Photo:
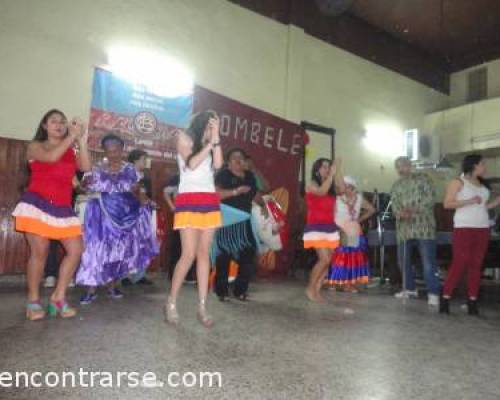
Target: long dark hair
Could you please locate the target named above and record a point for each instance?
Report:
(197, 128)
(41, 132)
(135, 155)
(469, 163)
(315, 176)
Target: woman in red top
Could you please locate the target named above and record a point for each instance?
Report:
(321, 233)
(44, 211)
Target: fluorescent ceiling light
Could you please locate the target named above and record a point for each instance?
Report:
(384, 140)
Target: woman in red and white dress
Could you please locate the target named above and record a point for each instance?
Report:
(321, 233)
(350, 265)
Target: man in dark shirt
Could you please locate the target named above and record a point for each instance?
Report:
(237, 187)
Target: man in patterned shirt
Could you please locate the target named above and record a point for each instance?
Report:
(413, 197)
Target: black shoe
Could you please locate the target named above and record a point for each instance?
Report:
(144, 281)
(444, 305)
(127, 282)
(223, 298)
(472, 307)
(242, 297)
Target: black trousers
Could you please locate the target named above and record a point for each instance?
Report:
(52, 264)
(246, 263)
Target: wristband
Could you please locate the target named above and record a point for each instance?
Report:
(235, 192)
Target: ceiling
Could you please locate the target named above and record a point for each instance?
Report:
(425, 40)
(462, 33)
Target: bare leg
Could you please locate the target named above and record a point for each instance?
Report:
(317, 275)
(203, 262)
(326, 262)
(189, 240)
(39, 249)
(74, 248)
(202, 273)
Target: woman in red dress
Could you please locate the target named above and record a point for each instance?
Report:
(321, 233)
(44, 211)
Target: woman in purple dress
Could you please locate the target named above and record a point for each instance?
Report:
(118, 235)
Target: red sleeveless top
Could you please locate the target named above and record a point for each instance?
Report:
(54, 181)
(320, 209)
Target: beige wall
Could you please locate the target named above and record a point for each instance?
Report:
(464, 126)
(48, 50)
(458, 83)
(353, 95)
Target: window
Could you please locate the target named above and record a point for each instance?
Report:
(477, 84)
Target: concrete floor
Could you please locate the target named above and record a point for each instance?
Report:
(278, 346)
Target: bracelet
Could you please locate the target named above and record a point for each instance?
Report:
(235, 192)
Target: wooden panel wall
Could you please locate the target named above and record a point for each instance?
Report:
(13, 247)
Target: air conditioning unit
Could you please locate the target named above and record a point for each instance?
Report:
(422, 150)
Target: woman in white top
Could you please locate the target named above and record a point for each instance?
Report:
(350, 265)
(469, 196)
(197, 207)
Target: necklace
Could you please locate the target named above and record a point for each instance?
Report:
(351, 206)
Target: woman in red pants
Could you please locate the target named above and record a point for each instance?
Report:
(468, 196)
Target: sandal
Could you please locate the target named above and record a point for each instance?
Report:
(242, 297)
(61, 309)
(171, 315)
(205, 319)
(34, 311)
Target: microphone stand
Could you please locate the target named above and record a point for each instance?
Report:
(381, 217)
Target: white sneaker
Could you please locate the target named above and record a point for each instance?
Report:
(433, 300)
(50, 282)
(406, 294)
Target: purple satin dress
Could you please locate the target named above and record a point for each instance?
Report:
(117, 230)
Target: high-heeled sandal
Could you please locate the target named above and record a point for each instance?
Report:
(205, 319)
(34, 311)
(61, 309)
(171, 315)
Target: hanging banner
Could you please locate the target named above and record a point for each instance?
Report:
(142, 118)
(275, 147)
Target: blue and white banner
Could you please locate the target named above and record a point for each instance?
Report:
(145, 120)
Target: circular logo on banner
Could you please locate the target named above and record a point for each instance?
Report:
(145, 122)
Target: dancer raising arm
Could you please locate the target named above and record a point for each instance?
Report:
(321, 233)
(197, 207)
(44, 211)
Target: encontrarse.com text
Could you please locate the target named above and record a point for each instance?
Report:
(90, 379)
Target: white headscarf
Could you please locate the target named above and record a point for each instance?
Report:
(349, 180)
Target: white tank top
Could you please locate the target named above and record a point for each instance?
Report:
(201, 179)
(474, 215)
(342, 213)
